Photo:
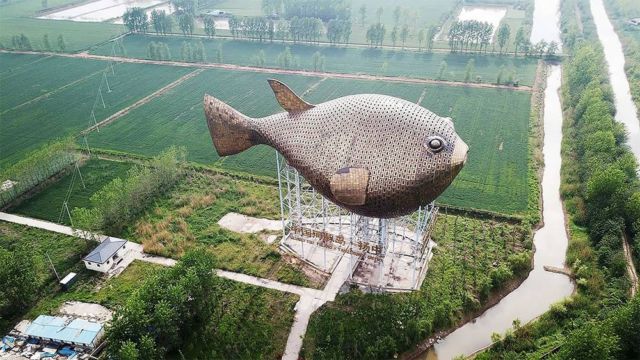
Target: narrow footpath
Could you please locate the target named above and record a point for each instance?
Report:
(310, 299)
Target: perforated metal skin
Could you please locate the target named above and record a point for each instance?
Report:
(411, 154)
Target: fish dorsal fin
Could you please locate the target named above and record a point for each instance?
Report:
(349, 185)
(287, 98)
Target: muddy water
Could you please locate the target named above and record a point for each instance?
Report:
(626, 111)
(541, 288)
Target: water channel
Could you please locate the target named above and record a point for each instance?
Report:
(626, 111)
(541, 288)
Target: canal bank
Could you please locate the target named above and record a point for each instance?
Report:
(541, 288)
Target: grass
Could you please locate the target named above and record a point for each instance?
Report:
(47, 205)
(69, 110)
(493, 122)
(188, 216)
(64, 251)
(473, 261)
(19, 17)
(343, 60)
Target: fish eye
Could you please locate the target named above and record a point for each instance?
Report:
(435, 144)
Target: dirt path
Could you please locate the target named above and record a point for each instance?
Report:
(115, 116)
(399, 79)
(631, 268)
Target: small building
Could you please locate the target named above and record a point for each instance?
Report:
(68, 280)
(106, 255)
(78, 332)
(635, 21)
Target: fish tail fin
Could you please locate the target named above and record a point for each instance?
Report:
(231, 131)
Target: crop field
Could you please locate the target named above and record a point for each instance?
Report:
(177, 118)
(493, 122)
(18, 17)
(69, 110)
(47, 205)
(38, 76)
(345, 60)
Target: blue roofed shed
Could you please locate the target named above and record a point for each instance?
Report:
(77, 332)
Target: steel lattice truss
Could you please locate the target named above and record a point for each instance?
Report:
(319, 226)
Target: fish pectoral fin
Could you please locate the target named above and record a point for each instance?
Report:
(349, 185)
(287, 98)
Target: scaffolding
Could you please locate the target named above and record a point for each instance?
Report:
(386, 254)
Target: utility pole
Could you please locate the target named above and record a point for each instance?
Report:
(53, 267)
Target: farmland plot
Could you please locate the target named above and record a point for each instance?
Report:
(69, 111)
(345, 60)
(47, 205)
(25, 77)
(177, 118)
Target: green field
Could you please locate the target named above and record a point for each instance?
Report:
(47, 204)
(68, 111)
(39, 75)
(493, 122)
(344, 60)
(177, 118)
(19, 17)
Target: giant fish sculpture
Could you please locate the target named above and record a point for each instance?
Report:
(375, 155)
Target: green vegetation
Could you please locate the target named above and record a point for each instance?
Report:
(493, 122)
(47, 204)
(19, 17)
(187, 311)
(121, 200)
(472, 262)
(25, 272)
(620, 12)
(187, 217)
(177, 118)
(340, 60)
(600, 188)
(68, 110)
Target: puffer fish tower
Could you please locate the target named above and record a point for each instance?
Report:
(375, 155)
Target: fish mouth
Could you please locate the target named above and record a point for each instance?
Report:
(459, 156)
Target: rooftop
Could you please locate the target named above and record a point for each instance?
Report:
(105, 250)
(77, 331)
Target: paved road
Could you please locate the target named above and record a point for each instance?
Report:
(310, 299)
(399, 79)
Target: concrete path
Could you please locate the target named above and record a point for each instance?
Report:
(310, 299)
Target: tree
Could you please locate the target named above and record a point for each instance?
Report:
(152, 51)
(500, 75)
(186, 23)
(209, 26)
(539, 48)
(431, 34)
(379, 13)
(469, 69)
(590, 341)
(552, 49)
(375, 35)
(282, 30)
(363, 14)
(260, 59)
(285, 58)
(19, 278)
(404, 34)
(61, 43)
(396, 14)
(46, 45)
(394, 35)
(443, 69)
(420, 39)
(504, 32)
(135, 19)
(159, 21)
(318, 61)
(519, 40)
